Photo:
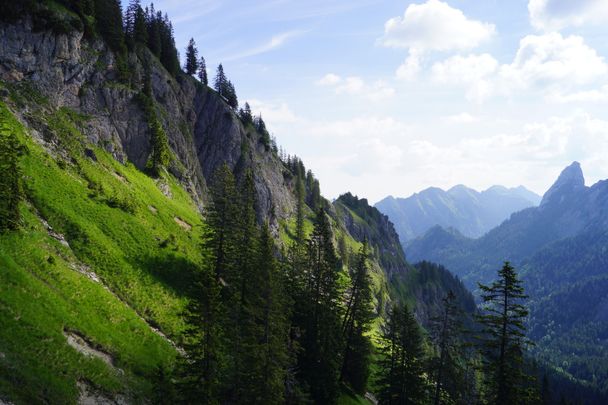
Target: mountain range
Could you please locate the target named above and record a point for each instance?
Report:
(561, 250)
(470, 212)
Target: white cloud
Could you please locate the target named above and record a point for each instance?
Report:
(275, 42)
(548, 59)
(273, 113)
(435, 26)
(593, 95)
(356, 86)
(556, 14)
(462, 118)
(473, 71)
(329, 79)
(550, 64)
(410, 67)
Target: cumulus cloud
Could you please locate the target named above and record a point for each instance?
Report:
(435, 26)
(273, 113)
(356, 86)
(462, 118)
(556, 14)
(551, 58)
(473, 71)
(551, 64)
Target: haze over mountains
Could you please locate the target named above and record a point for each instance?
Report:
(561, 250)
(470, 212)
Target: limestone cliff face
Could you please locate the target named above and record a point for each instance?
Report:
(203, 131)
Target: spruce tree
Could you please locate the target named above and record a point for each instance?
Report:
(191, 58)
(222, 214)
(321, 340)
(356, 325)
(245, 114)
(503, 340)
(201, 369)
(108, 16)
(153, 26)
(266, 353)
(400, 379)
(445, 334)
(11, 190)
(220, 81)
(202, 71)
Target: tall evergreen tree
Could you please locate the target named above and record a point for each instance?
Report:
(503, 339)
(266, 351)
(108, 15)
(201, 369)
(191, 58)
(222, 216)
(153, 27)
(400, 377)
(245, 114)
(202, 71)
(445, 333)
(356, 325)
(11, 191)
(321, 340)
(220, 81)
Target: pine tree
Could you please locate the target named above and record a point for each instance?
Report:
(191, 58)
(356, 325)
(267, 353)
(11, 190)
(239, 295)
(445, 332)
(222, 215)
(108, 15)
(321, 340)
(153, 27)
(503, 339)
(201, 369)
(202, 71)
(400, 378)
(230, 94)
(220, 81)
(245, 114)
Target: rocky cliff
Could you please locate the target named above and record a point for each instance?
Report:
(67, 70)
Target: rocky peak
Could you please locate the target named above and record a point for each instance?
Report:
(569, 181)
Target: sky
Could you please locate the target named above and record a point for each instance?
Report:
(390, 97)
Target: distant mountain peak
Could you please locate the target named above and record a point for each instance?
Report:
(569, 180)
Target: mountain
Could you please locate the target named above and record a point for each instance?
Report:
(95, 281)
(470, 212)
(560, 248)
(422, 285)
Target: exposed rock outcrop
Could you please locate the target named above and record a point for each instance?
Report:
(203, 131)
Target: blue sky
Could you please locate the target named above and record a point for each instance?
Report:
(390, 97)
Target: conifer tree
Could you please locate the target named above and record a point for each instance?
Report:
(220, 81)
(400, 379)
(503, 339)
(245, 114)
(202, 71)
(201, 369)
(11, 190)
(321, 340)
(240, 295)
(222, 216)
(191, 58)
(356, 324)
(153, 27)
(266, 352)
(445, 333)
(108, 15)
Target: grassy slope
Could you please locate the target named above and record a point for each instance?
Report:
(126, 232)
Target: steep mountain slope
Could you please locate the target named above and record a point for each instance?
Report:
(422, 285)
(560, 250)
(93, 286)
(70, 71)
(470, 212)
